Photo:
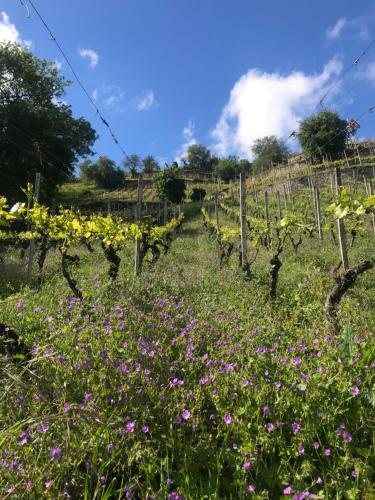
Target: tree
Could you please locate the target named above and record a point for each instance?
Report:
(104, 173)
(38, 132)
(199, 158)
(227, 168)
(150, 165)
(245, 166)
(324, 134)
(132, 163)
(268, 150)
(169, 185)
(198, 194)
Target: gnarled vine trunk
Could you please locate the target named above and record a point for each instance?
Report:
(344, 282)
(65, 261)
(113, 259)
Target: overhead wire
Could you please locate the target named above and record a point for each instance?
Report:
(337, 81)
(341, 77)
(62, 52)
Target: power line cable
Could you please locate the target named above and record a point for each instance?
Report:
(341, 77)
(98, 112)
(336, 82)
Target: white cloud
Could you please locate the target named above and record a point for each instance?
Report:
(9, 32)
(356, 27)
(91, 55)
(263, 104)
(189, 140)
(146, 101)
(109, 96)
(335, 31)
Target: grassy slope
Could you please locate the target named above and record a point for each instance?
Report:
(223, 305)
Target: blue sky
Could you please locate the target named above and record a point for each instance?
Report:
(168, 73)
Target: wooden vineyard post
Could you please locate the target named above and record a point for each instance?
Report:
(279, 204)
(243, 219)
(32, 242)
(217, 213)
(256, 202)
(267, 216)
(165, 217)
(314, 202)
(366, 186)
(341, 226)
(318, 214)
(138, 214)
(372, 215)
(346, 158)
(285, 199)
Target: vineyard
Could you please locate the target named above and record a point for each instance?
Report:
(224, 354)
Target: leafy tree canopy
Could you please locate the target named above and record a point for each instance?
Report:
(132, 164)
(103, 172)
(169, 185)
(198, 194)
(150, 165)
(199, 158)
(324, 134)
(228, 168)
(38, 130)
(268, 150)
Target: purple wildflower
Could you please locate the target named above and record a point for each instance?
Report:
(130, 426)
(186, 414)
(347, 436)
(55, 453)
(296, 428)
(228, 419)
(288, 490)
(355, 390)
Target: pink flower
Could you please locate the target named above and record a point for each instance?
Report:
(246, 465)
(145, 428)
(130, 426)
(355, 390)
(228, 419)
(327, 452)
(288, 490)
(186, 414)
(251, 488)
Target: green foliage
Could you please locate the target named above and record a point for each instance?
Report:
(227, 168)
(169, 185)
(324, 134)
(150, 165)
(199, 158)
(198, 194)
(39, 132)
(133, 164)
(103, 172)
(268, 150)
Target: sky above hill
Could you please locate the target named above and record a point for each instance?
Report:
(168, 73)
